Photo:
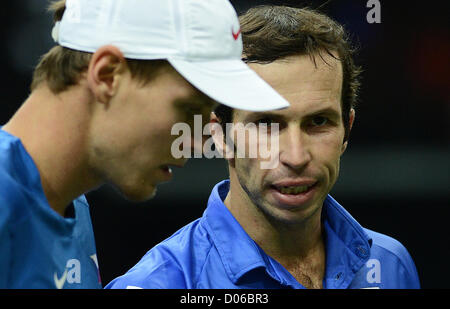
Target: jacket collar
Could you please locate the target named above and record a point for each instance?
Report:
(239, 253)
(347, 245)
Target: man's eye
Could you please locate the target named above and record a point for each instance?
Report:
(319, 121)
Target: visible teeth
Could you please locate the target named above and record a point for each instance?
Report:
(293, 190)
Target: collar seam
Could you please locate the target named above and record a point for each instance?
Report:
(356, 227)
(204, 263)
(247, 269)
(219, 249)
(359, 258)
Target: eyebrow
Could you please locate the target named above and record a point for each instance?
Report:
(328, 111)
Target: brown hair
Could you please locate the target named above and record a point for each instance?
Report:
(270, 33)
(62, 67)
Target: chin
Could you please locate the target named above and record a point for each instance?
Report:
(289, 217)
(138, 194)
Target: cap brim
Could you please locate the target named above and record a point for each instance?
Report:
(230, 82)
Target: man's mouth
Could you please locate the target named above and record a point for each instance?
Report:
(294, 193)
(166, 168)
(294, 186)
(293, 190)
(166, 172)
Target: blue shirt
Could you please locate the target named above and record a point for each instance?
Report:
(38, 247)
(216, 252)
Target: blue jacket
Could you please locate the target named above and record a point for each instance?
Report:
(38, 247)
(215, 252)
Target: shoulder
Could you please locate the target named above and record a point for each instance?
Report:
(9, 146)
(11, 176)
(16, 190)
(12, 196)
(388, 245)
(175, 263)
(392, 256)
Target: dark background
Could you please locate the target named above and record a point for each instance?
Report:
(395, 175)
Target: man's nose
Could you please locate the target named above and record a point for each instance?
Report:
(294, 148)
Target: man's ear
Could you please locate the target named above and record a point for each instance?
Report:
(219, 138)
(351, 120)
(104, 70)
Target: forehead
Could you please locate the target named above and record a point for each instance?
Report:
(308, 86)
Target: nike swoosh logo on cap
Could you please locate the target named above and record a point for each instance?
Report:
(235, 35)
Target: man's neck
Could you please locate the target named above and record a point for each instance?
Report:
(53, 129)
(298, 247)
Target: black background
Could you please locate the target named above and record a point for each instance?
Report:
(395, 175)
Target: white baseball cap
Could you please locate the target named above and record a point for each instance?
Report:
(200, 38)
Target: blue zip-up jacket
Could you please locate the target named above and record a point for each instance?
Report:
(215, 252)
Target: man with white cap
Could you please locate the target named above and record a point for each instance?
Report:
(100, 111)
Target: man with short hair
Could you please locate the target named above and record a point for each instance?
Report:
(102, 106)
(278, 227)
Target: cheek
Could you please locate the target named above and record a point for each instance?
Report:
(258, 144)
(156, 127)
(248, 173)
(328, 154)
(158, 141)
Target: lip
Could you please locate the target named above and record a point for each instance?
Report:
(166, 172)
(294, 182)
(292, 201)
